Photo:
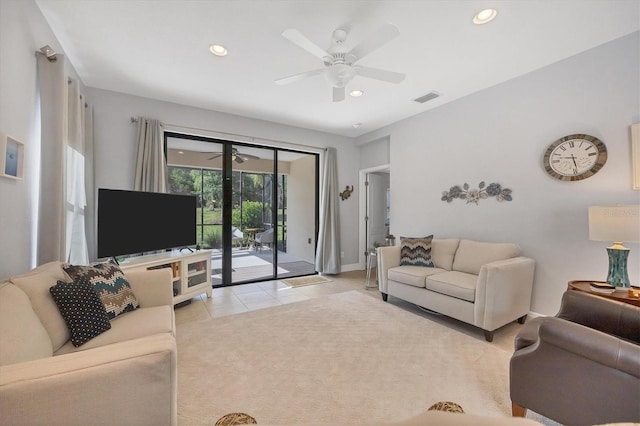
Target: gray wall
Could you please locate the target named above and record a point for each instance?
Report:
(115, 145)
(374, 153)
(23, 31)
(500, 135)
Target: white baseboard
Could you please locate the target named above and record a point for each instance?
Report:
(351, 267)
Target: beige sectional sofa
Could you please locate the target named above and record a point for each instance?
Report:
(126, 375)
(484, 284)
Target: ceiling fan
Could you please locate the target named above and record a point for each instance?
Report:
(339, 64)
(236, 156)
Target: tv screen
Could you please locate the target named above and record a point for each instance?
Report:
(132, 222)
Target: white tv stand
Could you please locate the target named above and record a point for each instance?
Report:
(191, 271)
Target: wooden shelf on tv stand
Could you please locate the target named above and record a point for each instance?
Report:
(191, 271)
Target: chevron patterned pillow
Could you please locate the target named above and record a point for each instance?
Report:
(109, 282)
(416, 251)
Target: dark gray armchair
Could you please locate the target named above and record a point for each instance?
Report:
(581, 366)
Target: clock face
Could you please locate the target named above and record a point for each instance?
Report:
(575, 157)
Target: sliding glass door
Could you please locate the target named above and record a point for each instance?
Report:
(257, 206)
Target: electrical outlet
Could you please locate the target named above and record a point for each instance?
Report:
(309, 240)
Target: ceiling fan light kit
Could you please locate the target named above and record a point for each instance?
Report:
(339, 63)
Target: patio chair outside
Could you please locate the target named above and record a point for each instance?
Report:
(264, 238)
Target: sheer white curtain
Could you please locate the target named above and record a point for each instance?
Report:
(62, 232)
(328, 250)
(76, 205)
(151, 164)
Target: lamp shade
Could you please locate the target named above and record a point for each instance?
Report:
(614, 223)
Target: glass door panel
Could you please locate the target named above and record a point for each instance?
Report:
(297, 219)
(195, 168)
(253, 257)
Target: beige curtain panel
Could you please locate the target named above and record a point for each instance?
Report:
(151, 164)
(328, 251)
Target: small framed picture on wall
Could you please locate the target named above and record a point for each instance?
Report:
(11, 157)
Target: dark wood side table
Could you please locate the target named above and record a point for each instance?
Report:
(620, 295)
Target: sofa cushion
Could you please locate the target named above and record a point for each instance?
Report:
(81, 309)
(412, 275)
(471, 255)
(135, 324)
(443, 251)
(109, 282)
(415, 251)
(455, 284)
(22, 335)
(36, 284)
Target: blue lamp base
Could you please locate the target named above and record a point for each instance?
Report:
(617, 275)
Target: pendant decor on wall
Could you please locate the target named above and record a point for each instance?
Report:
(473, 195)
(346, 193)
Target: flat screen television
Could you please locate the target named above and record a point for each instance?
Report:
(131, 222)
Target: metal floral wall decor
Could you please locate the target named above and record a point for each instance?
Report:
(473, 195)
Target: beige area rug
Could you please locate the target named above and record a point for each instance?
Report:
(308, 280)
(339, 359)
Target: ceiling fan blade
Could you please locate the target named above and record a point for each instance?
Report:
(219, 154)
(378, 74)
(295, 37)
(298, 77)
(338, 94)
(239, 159)
(384, 34)
(246, 157)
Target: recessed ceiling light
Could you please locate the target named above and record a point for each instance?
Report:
(180, 152)
(356, 125)
(218, 50)
(484, 16)
(356, 93)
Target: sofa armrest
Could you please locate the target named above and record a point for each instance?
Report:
(132, 382)
(152, 287)
(388, 257)
(503, 292)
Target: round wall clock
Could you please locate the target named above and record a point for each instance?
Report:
(575, 157)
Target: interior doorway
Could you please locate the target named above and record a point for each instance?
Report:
(375, 209)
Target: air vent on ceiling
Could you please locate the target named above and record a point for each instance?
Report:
(429, 96)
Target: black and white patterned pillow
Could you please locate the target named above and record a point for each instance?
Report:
(81, 309)
(416, 251)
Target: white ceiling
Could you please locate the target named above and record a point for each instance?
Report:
(159, 49)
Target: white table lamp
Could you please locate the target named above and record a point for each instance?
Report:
(618, 224)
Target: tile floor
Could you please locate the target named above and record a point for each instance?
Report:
(248, 297)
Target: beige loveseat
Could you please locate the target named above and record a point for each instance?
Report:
(484, 284)
(126, 375)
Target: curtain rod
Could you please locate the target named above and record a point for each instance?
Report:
(252, 138)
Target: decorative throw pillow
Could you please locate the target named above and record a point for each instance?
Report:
(81, 309)
(416, 251)
(110, 284)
